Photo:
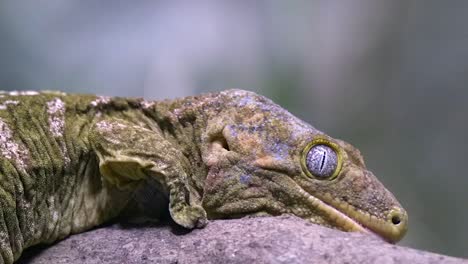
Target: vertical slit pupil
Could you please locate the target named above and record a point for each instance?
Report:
(324, 156)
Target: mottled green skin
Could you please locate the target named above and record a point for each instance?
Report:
(71, 162)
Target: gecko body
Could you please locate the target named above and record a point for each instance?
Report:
(71, 162)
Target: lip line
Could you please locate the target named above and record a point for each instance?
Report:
(344, 221)
(349, 218)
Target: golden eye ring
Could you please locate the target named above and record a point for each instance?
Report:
(322, 159)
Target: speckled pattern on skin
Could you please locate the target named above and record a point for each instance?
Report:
(71, 162)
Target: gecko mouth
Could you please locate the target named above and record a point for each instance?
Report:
(348, 218)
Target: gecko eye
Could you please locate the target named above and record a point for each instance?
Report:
(321, 159)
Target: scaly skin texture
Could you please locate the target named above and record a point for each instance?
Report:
(71, 162)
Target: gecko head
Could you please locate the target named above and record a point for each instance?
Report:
(262, 160)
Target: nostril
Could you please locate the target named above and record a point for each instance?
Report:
(397, 224)
(396, 220)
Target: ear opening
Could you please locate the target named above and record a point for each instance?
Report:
(219, 140)
(217, 147)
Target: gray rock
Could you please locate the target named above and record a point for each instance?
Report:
(247, 240)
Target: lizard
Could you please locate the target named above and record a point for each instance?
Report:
(70, 162)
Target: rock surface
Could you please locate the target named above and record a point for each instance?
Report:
(248, 240)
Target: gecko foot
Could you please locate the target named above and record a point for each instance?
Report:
(189, 216)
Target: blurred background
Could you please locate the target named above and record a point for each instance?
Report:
(388, 76)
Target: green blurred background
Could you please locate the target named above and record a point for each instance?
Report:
(388, 76)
